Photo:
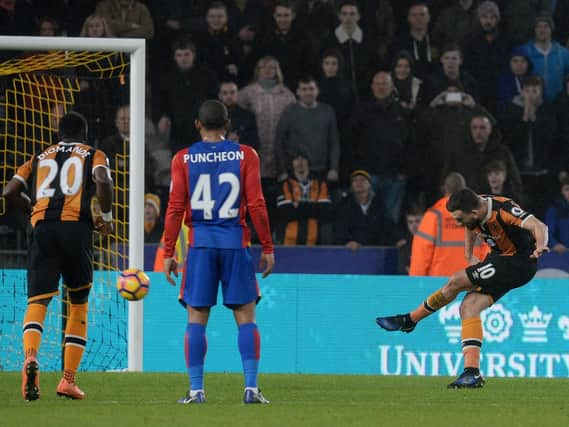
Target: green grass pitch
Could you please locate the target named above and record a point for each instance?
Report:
(149, 399)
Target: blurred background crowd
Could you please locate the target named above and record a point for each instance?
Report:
(364, 113)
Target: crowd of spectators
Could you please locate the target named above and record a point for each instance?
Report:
(358, 109)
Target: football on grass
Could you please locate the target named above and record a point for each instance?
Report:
(133, 284)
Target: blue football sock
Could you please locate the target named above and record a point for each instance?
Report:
(250, 348)
(196, 346)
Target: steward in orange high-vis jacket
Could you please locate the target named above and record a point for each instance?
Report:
(438, 245)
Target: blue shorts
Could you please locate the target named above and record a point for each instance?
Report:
(206, 267)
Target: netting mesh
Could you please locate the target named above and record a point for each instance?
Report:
(36, 91)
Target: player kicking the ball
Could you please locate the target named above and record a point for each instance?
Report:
(215, 182)
(517, 239)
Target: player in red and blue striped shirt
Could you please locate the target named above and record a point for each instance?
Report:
(215, 182)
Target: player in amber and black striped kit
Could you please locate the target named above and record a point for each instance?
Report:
(61, 181)
(516, 238)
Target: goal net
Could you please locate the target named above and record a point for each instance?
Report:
(36, 90)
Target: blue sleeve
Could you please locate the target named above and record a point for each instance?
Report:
(565, 61)
(551, 222)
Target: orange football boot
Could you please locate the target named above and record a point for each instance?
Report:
(70, 390)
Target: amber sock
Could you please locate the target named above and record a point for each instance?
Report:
(33, 328)
(471, 342)
(432, 303)
(75, 340)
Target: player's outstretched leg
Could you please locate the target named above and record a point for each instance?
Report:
(195, 350)
(407, 322)
(399, 322)
(32, 333)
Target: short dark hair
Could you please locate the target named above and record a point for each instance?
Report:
(483, 116)
(285, 4)
(306, 79)
(213, 114)
(415, 208)
(216, 5)
(226, 82)
(335, 53)
(353, 3)
(463, 200)
(51, 20)
(532, 81)
(496, 166)
(451, 47)
(415, 3)
(73, 125)
(184, 42)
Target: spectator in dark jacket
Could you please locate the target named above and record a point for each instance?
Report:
(413, 216)
(406, 84)
(218, 46)
(561, 107)
(418, 41)
(557, 220)
(497, 182)
(530, 127)
(451, 72)
(531, 130)
(360, 216)
(455, 22)
(520, 15)
(356, 45)
(380, 137)
(181, 93)
(243, 122)
(485, 52)
(288, 43)
(337, 92)
(484, 147)
(561, 18)
(442, 129)
(509, 83)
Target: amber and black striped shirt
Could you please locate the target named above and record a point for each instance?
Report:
(502, 227)
(60, 181)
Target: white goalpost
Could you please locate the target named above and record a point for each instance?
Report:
(136, 49)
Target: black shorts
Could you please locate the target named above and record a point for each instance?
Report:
(59, 249)
(497, 274)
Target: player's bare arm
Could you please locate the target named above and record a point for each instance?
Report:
(267, 263)
(15, 196)
(171, 266)
(258, 211)
(469, 241)
(104, 191)
(539, 231)
(174, 216)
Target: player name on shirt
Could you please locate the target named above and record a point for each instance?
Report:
(223, 156)
(64, 148)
